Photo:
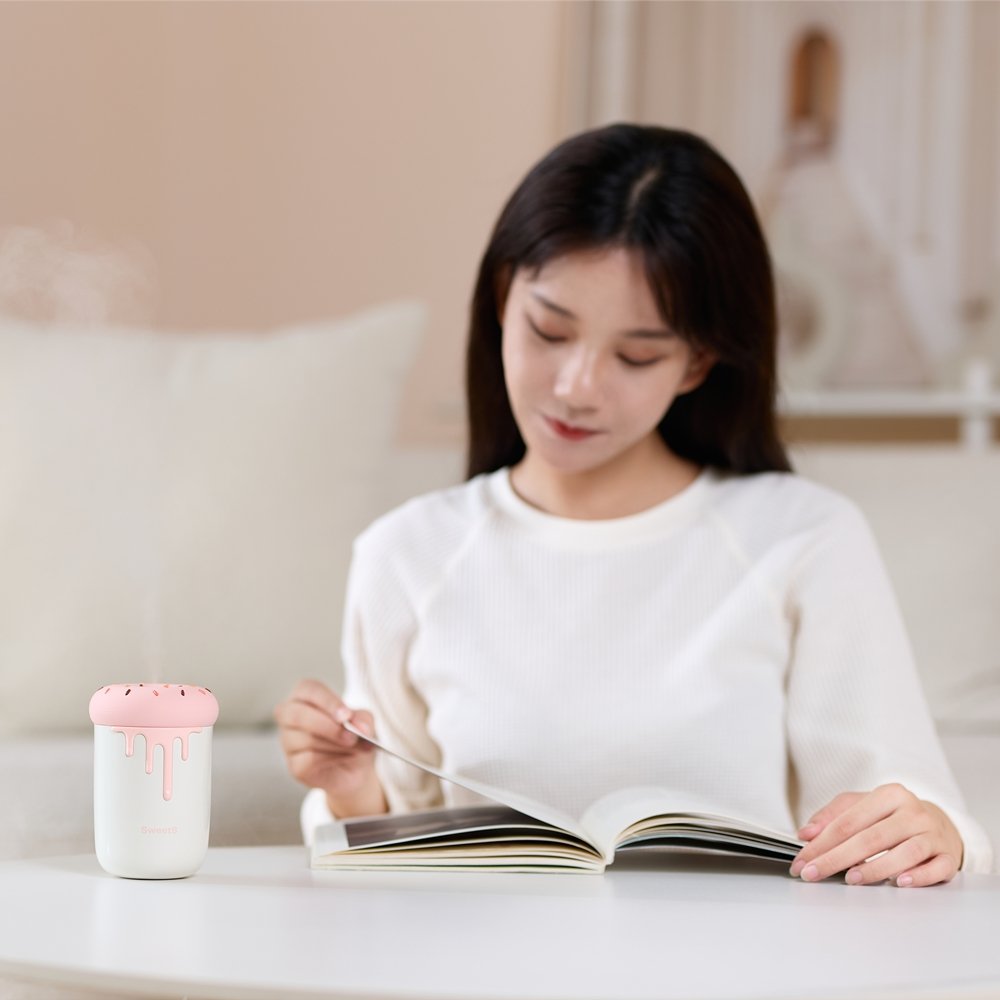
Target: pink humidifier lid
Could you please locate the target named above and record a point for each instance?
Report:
(156, 706)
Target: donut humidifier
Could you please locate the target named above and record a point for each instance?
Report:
(152, 777)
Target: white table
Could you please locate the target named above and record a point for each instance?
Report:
(256, 922)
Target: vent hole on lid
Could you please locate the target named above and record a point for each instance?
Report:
(183, 692)
(128, 691)
(157, 694)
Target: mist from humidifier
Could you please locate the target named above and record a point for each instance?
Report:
(60, 275)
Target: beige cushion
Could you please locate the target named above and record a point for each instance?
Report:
(181, 506)
(935, 511)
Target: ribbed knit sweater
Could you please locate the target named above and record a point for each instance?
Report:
(739, 643)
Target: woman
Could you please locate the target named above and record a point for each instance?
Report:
(632, 588)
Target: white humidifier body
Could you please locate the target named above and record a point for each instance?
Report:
(152, 778)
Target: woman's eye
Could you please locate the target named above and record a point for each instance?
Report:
(637, 362)
(549, 338)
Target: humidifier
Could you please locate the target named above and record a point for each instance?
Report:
(152, 777)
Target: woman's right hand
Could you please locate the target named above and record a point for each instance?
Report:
(321, 753)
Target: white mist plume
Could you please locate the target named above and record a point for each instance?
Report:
(59, 274)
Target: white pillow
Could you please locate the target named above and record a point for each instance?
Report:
(935, 511)
(179, 506)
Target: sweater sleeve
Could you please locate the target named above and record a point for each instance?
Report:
(856, 713)
(379, 626)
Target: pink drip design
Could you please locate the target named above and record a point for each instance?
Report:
(158, 738)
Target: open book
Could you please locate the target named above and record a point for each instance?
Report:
(515, 834)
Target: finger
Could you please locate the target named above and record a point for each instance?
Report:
(942, 868)
(909, 853)
(295, 740)
(356, 718)
(865, 813)
(307, 765)
(873, 847)
(316, 693)
(310, 719)
(364, 721)
(307, 762)
(864, 846)
(829, 812)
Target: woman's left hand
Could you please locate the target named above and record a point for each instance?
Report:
(915, 841)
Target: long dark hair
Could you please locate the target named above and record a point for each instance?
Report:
(668, 195)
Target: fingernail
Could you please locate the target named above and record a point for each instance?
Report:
(810, 873)
(796, 867)
(804, 830)
(342, 714)
(854, 876)
(904, 880)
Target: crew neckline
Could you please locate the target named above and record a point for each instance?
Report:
(652, 521)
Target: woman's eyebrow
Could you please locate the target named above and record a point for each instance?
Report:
(657, 334)
(549, 304)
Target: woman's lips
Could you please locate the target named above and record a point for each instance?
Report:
(568, 431)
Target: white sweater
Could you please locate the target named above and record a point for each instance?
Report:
(739, 643)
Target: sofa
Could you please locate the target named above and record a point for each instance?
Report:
(180, 507)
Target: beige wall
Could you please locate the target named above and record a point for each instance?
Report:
(274, 162)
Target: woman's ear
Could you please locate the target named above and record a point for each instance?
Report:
(700, 364)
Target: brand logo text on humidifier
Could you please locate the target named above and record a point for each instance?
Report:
(152, 777)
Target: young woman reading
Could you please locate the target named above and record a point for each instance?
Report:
(632, 587)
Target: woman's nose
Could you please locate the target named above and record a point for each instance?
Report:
(578, 380)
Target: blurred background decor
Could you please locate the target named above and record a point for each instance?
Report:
(244, 166)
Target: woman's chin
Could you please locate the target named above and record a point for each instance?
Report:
(573, 458)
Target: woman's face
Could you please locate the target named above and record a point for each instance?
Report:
(589, 364)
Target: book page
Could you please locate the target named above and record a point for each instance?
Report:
(524, 845)
(522, 804)
(629, 816)
(635, 814)
(443, 828)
